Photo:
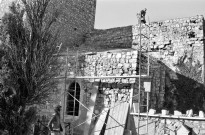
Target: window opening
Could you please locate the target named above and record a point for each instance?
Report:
(72, 104)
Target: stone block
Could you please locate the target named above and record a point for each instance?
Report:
(177, 113)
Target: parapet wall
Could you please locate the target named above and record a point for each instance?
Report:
(171, 126)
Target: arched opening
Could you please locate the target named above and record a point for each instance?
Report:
(72, 107)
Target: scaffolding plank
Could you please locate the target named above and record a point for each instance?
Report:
(101, 121)
(112, 122)
(116, 116)
(102, 77)
(109, 123)
(117, 120)
(122, 118)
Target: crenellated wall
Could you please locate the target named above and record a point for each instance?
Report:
(160, 126)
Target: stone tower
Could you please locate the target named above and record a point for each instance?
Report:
(77, 18)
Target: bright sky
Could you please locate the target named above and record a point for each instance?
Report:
(117, 13)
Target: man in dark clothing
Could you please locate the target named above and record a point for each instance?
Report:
(142, 15)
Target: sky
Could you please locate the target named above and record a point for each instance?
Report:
(118, 13)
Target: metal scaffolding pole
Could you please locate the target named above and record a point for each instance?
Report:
(148, 70)
(141, 20)
(103, 77)
(139, 80)
(74, 105)
(64, 95)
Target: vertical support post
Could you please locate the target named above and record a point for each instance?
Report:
(131, 96)
(148, 70)
(147, 111)
(131, 107)
(65, 93)
(76, 66)
(139, 75)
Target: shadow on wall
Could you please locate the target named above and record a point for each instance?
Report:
(184, 90)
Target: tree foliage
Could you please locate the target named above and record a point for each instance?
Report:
(29, 64)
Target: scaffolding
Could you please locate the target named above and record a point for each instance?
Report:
(140, 76)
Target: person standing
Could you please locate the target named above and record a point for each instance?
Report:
(142, 13)
(54, 124)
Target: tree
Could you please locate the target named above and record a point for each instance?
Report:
(29, 64)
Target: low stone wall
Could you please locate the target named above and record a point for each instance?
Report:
(162, 126)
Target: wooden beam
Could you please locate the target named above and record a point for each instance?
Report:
(101, 121)
(103, 77)
(170, 116)
(117, 119)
